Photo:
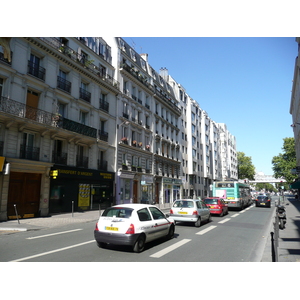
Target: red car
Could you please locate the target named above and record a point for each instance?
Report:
(216, 206)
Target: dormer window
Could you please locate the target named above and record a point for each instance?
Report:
(132, 54)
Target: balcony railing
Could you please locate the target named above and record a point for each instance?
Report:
(63, 84)
(59, 158)
(36, 71)
(31, 153)
(103, 135)
(104, 105)
(82, 161)
(84, 95)
(78, 58)
(43, 117)
(102, 165)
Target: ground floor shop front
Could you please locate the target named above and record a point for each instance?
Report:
(138, 188)
(76, 189)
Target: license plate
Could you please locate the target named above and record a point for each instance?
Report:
(182, 213)
(262, 203)
(211, 206)
(112, 228)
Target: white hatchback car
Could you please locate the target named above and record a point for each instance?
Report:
(133, 225)
(190, 210)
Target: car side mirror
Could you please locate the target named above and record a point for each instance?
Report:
(167, 215)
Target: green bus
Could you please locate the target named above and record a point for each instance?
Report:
(235, 194)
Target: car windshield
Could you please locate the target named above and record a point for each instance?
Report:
(211, 201)
(183, 203)
(119, 212)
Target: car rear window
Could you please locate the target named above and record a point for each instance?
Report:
(211, 201)
(119, 212)
(183, 203)
(262, 198)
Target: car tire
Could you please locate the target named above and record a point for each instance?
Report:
(171, 232)
(139, 244)
(198, 222)
(209, 218)
(222, 214)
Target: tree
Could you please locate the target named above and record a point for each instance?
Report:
(286, 161)
(245, 167)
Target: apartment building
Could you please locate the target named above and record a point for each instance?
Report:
(58, 98)
(148, 157)
(87, 122)
(295, 112)
(228, 160)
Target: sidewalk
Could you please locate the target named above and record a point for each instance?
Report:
(289, 238)
(52, 221)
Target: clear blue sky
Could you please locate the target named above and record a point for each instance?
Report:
(243, 82)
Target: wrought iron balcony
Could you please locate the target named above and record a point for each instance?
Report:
(22, 110)
(102, 165)
(78, 58)
(59, 158)
(63, 84)
(82, 161)
(36, 71)
(31, 153)
(84, 95)
(104, 105)
(103, 135)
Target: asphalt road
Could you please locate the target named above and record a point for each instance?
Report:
(239, 236)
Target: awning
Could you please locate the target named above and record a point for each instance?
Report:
(2, 160)
(295, 185)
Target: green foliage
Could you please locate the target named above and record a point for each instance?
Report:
(265, 186)
(245, 167)
(286, 161)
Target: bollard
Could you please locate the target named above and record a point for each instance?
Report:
(17, 215)
(72, 209)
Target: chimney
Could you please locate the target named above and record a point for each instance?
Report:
(144, 56)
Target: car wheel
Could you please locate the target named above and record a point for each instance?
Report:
(209, 218)
(198, 222)
(171, 232)
(139, 244)
(222, 214)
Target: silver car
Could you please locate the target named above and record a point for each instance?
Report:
(190, 210)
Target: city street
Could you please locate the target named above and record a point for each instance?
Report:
(239, 236)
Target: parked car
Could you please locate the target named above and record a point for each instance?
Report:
(133, 225)
(190, 210)
(263, 201)
(217, 206)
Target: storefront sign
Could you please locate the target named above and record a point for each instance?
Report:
(79, 173)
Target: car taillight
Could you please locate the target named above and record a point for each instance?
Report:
(195, 213)
(96, 228)
(171, 211)
(130, 230)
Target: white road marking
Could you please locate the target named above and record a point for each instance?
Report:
(224, 221)
(53, 251)
(170, 248)
(51, 234)
(206, 230)
(233, 216)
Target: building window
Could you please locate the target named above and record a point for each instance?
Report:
(83, 117)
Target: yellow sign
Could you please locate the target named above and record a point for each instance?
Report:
(54, 174)
(2, 160)
(84, 195)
